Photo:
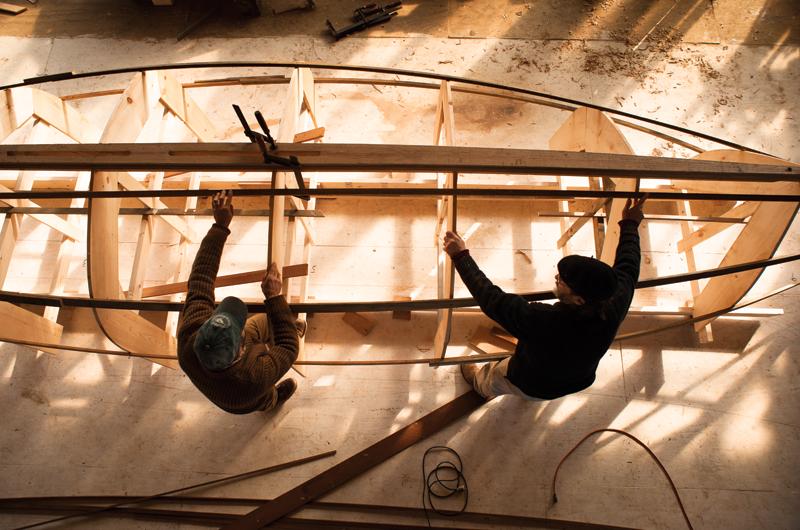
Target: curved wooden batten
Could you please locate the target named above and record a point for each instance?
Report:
(126, 329)
(759, 239)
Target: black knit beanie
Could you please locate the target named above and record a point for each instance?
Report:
(588, 277)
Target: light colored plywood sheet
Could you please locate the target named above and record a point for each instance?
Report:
(758, 240)
(589, 130)
(21, 324)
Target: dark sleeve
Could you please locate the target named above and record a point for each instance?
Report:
(511, 311)
(626, 265)
(200, 296)
(272, 365)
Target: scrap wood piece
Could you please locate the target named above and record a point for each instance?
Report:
(359, 322)
(486, 341)
(307, 136)
(401, 315)
(11, 8)
(289, 271)
(362, 461)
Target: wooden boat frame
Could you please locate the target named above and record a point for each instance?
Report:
(589, 143)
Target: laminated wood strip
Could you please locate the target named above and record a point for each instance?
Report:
(543, 193)
(357, 464)
(382, 157)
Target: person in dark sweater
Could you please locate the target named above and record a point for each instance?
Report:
(235, 361)
(559, 346)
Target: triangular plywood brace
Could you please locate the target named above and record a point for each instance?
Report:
(590, 130)
(758, 239)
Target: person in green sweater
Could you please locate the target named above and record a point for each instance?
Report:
(559, 346)
(235, 361)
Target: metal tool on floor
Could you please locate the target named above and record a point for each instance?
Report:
(262, 139)
(366, 16)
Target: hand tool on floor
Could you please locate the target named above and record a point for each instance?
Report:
(366, 16)
(266, 138)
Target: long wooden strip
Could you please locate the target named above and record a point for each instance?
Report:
(289, 271)
(347, 191)
(381, 157)
(360, 462)
(136, 500)
(67, 505)
(343, 307)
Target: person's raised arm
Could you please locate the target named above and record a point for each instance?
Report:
(511, 311)
(200, 296)
(628, 256)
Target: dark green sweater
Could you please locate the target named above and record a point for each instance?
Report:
(559, 345)
(245, 386)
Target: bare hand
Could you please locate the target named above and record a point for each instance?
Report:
(271, 285)
(633, 209)
(222, 203)
(453, 244)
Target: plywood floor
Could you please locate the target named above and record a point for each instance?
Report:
(723, 417)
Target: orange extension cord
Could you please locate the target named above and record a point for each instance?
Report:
(649, 451)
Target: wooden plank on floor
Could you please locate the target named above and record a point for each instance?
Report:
(357, 464)
(12, 9)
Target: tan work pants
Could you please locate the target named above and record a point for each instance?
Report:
(491, 381)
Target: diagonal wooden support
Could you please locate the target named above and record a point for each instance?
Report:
(22, 103)
(68, 247)
(359, 463)
(746, 209)
(684, 208)
(53, 221)
(174, 97)
(588, 214)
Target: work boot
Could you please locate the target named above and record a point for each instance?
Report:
(285, 390)
(468, 371)
(301, 325)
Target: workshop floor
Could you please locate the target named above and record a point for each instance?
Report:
(723, 417)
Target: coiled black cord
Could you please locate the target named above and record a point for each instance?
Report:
(444, 480)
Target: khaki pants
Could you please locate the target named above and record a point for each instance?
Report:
(491, 381)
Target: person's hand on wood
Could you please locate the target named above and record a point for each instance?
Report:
(453, 244)
(222, 203)
(271, 285)
(633, 209)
